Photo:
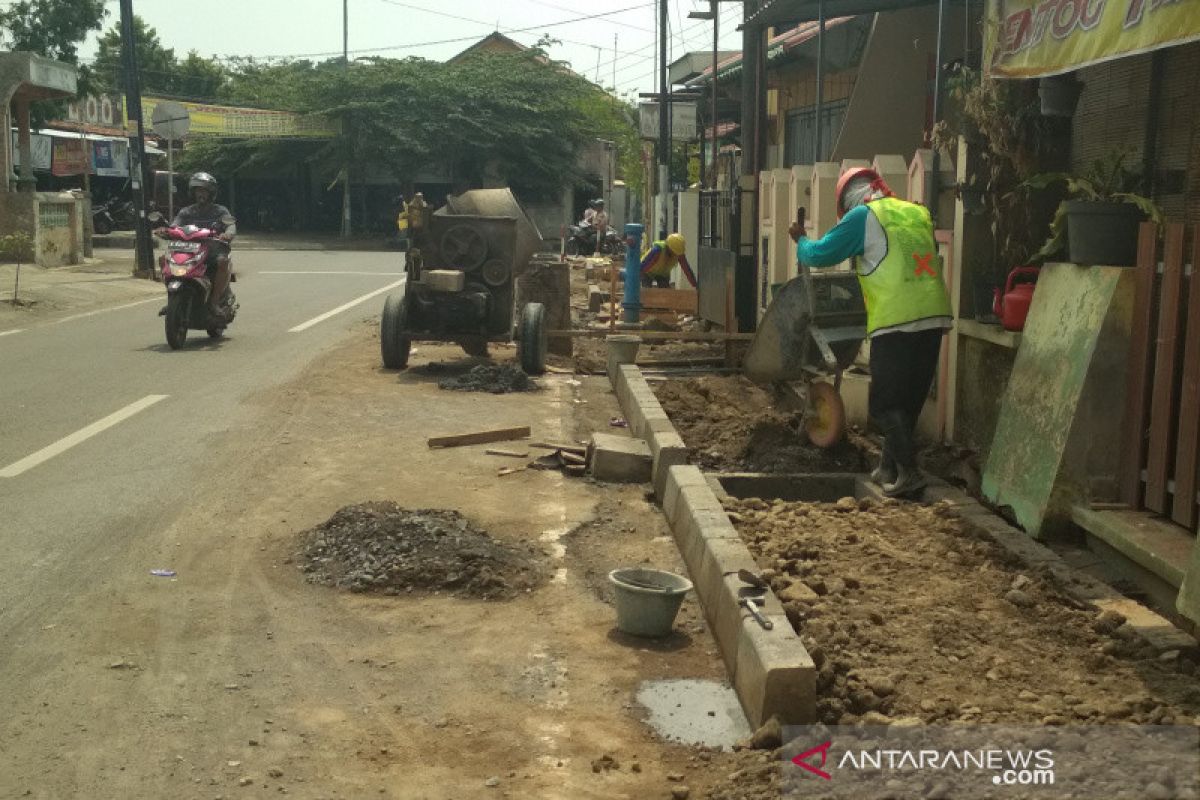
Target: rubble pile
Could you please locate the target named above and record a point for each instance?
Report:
(492, 378)
(381, 547)
(909, 616)
(731, 424)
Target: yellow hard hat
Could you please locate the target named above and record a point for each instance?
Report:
(676, 244)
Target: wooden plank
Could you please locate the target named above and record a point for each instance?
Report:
(668, 336)
(682, 300)
(1140, 363)
(1160, 455)
(480, 437)
(508, 453)
(1187, 451)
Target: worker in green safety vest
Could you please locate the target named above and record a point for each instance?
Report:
(908, 309)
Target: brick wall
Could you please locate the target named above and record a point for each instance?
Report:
(1112, 115)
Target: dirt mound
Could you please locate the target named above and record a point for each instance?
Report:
(493, 378)
(381, 547)
(731, 424)
(912, 619)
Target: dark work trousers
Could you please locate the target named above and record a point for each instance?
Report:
(903, 366)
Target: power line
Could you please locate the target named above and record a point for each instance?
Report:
(414, 45)
(611, 21)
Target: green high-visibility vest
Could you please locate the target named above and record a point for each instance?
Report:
(907, 286)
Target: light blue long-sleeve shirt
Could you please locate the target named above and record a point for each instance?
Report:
(845, 240)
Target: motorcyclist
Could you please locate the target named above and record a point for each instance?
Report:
(600, 221)
(206, 213)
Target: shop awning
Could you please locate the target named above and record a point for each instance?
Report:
(779, 12)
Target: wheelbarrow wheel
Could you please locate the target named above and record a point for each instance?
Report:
(825, 422)
(394, 345)
(531, 339)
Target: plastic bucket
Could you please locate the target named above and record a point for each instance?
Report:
(622, 349)
(647, 600)
(1103, 233)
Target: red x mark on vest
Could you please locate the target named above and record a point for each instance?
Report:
(924, 264)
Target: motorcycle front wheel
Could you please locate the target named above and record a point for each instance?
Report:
(179, 307)
(101, 226)
(572, 247)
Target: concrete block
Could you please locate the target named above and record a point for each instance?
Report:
(775, 675)
(692, 535)
(722, 558)
(444, 280)
(598, 298)
(619, 459)
(667, 450)
(678, 477)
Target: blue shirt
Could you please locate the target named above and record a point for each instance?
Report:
(845, 240)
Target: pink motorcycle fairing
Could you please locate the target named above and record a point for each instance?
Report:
(187, 252)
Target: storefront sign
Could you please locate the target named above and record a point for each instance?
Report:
(40, 148)
(110, 159)
(250, 123)
(1035, 38)
(70, 156)
(97, 110)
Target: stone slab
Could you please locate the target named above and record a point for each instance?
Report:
(619, 459)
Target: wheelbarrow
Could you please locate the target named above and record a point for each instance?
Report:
(812, 330)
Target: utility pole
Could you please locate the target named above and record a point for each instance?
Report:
(144, 261)
(664, 119)
(346, 123)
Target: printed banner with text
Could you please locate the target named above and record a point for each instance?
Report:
(1035, 38)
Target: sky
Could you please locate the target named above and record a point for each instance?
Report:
(400, 28)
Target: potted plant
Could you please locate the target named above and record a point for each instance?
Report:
(1099, 221)
(1059, 94)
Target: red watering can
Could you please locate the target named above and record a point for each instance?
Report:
(1013, 306)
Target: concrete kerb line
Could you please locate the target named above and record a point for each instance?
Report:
(771, 671)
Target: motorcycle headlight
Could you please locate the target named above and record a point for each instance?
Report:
(179, 272)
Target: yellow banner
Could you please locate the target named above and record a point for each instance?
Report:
(245, 123)
(1034, 38)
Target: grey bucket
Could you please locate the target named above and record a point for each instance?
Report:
(647, 600)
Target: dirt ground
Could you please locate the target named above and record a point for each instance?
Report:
(732, 425)
(239, 678)
(911, 619)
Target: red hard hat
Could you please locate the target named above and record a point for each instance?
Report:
(857, 172)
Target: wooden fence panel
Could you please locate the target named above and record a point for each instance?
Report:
(1166, 373)
(1187, 451)
(1137, 396)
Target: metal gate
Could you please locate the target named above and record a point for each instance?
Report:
(1161, 435)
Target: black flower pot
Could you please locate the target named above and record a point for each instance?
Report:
(1103, 232)
(1059, 95)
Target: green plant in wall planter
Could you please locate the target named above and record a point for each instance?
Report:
(19, 247)
(1098, 223)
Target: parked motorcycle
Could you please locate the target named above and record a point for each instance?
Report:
(184, 270)
(114, 214)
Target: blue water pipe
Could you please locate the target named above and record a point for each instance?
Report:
(632, 303)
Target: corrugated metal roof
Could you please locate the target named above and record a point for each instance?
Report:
(778, 47)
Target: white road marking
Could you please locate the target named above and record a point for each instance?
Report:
(106, 310)
(318, 272)
(66, 443)
(315, 320)
(9, 333)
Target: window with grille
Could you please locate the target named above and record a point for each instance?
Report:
(54, 215)
(800, 144)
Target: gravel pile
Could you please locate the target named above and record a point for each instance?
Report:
(381, 547)
(493, 378)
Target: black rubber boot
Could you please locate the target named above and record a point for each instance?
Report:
(886, 471)
(899, 443)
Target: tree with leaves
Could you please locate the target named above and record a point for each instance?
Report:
(51, 28)
(160, 71)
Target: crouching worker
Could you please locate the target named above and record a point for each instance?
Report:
(662, 257)
(908, 309)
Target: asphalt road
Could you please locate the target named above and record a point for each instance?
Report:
(104, 430)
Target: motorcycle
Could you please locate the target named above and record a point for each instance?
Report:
(184, 270)
(613, 244)
(581, 240)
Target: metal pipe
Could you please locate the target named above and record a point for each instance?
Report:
(935, 178)
(818, 154)
(716, 12)
(664, 131)
(1158, 64)
(632, 302)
